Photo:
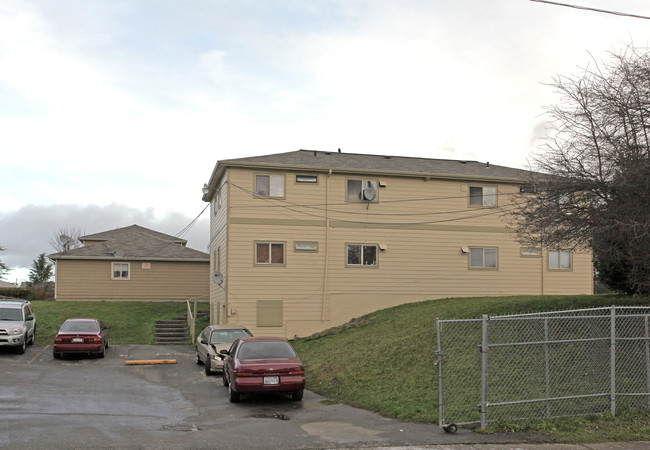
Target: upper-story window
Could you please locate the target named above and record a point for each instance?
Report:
(313, 179)
(269, 252)
(483, 196)
(362, 190)
(269, 185)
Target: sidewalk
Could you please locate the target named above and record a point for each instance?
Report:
(639, 445)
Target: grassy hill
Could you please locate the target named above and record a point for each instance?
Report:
(384, 361)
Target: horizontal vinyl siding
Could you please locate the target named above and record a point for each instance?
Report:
(422, 260)
(219, 238)
(81, 280)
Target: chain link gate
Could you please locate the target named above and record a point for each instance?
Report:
(542, 365)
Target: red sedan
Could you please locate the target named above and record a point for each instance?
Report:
(86, 336)
(263, 364)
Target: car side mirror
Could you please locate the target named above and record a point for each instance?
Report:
(29, 317)
(204, 341)
(107, 327)
(224, 352)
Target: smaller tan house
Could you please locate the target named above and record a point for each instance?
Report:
(132, 263)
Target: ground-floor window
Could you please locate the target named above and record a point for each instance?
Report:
(560, 260)
(361, 254)
(483, 258)
(121, 271)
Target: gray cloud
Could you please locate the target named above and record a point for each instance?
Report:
(26, 233)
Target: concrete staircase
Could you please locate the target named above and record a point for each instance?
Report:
(172, 332)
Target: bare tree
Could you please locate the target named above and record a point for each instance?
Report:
(66, 238)
(3, 267)
(592, 185)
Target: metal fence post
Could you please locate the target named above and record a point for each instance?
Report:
(441, 410)
(647, 356)
(547, 368)
(484, 371)
(612, 361)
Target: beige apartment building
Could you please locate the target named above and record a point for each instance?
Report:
(307, 240)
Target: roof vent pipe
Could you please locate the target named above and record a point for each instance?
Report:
(488, 164)
(314, 152)
(339, 150)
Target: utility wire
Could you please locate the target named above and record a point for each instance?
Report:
(326, 206)
(586, 8)
(191, 224)
(291, 207)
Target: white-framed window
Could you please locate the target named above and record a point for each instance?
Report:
(362, 190)
(310, 179)
(269, 253)
(121, 271)
(483, 196)
(531, 252)
(303, 246)
(483, 258)
(219, 199)
(269, 185)
(560, 260)
(361, 255)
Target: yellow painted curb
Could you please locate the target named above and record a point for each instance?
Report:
(149, 361)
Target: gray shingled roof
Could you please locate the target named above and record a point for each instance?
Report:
(379, 163)
(133, 243)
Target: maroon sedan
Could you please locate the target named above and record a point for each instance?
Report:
(263, 364)
(87, 336)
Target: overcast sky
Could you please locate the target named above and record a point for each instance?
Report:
(114, 112)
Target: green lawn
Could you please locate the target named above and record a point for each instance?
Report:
(130, 322)
(384, 362)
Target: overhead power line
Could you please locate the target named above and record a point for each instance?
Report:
(586, 8)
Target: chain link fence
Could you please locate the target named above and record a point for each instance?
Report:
(543, 365)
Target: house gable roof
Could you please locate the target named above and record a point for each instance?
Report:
(133, 243)
(319, 161)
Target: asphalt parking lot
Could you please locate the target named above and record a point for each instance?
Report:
(82, 402)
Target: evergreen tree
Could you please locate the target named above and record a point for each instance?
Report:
(41, 270)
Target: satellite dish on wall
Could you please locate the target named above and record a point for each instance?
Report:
(217, 277)
(117, 253)
(369, 193)
(66, 241)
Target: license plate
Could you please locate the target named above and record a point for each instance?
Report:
(77, 340)
(272, 380)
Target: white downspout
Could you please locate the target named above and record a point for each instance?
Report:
(327, 245)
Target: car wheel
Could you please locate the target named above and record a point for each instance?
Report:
(106, 343)
(223, 377)
(208, 368)
(57, 355)
(296, 396)
(233, 396)
(20, 350)
(198, 358)
(103, 352)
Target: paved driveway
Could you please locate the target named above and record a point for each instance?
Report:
(90, 402)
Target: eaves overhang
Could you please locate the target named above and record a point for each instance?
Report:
(129, 258)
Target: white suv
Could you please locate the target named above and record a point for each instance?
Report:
(17, 324)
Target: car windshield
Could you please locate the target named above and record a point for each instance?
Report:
(266, 350)
(11, 314)
(80, 327)
(227, 336)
